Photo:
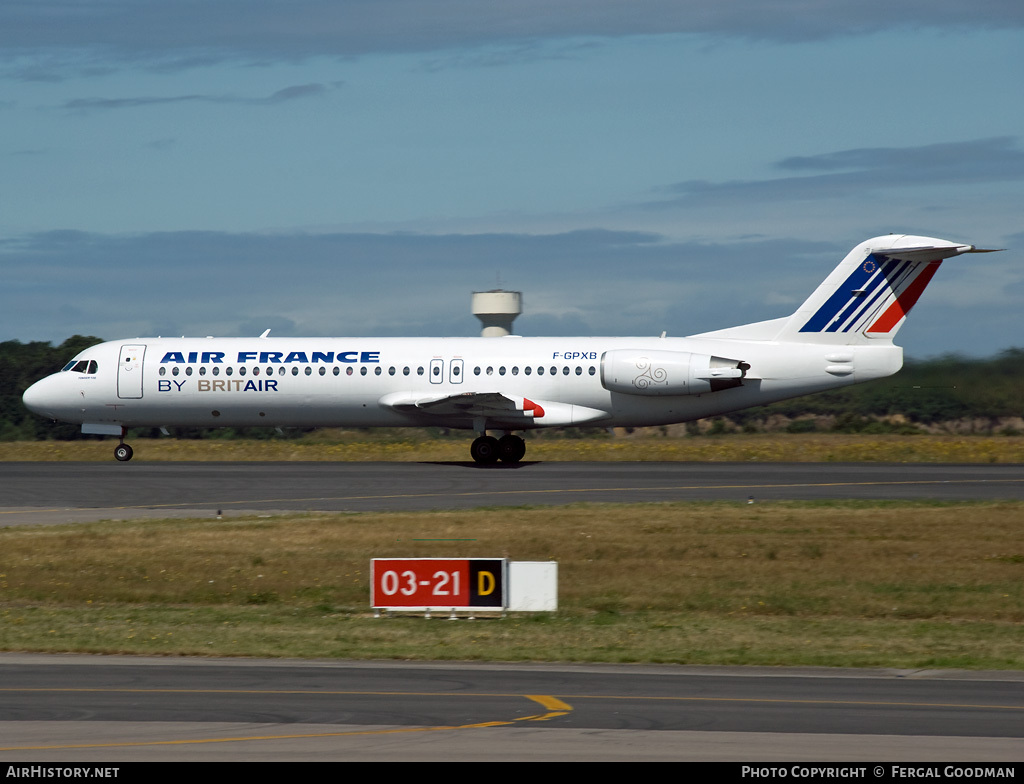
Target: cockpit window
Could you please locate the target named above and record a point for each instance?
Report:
(88, 366)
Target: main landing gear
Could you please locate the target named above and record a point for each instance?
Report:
(507, 449)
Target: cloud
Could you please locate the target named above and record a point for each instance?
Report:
(88, 104)
(996, 159)
(182, 33)
(592, 282)
(285, 95)
(212, 282)
(296, 92)
(987, 156)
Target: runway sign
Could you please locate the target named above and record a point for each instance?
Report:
(532, 586)
(438, 583)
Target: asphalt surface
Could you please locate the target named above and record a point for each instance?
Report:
(103, 709)
(60, 708)
(34, 493)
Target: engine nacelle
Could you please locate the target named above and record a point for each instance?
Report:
(639, 372)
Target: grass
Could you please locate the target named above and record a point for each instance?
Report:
(412, 446)
(861, 584)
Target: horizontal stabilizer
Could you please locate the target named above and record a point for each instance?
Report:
(931, 252)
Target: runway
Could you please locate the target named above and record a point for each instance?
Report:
(107, 709)
(91, 709)
(38, 493)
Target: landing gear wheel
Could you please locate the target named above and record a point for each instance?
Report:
(511, 449)
(123, 452)
(485, 450)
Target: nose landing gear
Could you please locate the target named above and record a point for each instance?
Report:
(123, 452)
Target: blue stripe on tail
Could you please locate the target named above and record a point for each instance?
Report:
(867, 277)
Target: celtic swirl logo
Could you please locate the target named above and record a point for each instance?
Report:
(649, 374)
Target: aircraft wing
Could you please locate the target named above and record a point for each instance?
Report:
(496, 408)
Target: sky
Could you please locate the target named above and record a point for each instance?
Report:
(359, 167)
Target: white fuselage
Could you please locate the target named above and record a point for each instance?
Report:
(336, 382)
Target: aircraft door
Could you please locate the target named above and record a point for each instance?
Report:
(129, 372)
(455, 371)
(436, 371)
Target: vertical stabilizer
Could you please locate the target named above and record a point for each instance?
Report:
(870, 293)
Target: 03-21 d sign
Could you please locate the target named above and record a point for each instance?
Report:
(438, 583)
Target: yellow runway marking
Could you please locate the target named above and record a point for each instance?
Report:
(552, 491)
(555, 708)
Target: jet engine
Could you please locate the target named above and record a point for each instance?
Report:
(639, 372)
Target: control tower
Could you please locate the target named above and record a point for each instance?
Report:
(497, 310)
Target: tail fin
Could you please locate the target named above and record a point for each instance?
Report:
(872, 290)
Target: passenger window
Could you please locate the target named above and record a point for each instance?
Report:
(323, 371)
(202, 370)
(337, 370)
(255, 371)
(174, 370)
(419, 370)
(309, 370)
(527, 370)
(515, 370)
(348, 371)
(227, 371)
(593, 370)
(437, 371)
(362, 370)
(554, 371)
(295, 371)
(405, 371)
(579, 371)
(456, 370)
(540, 371)
(377, 370)
(476, 371)
(241, 370)
(391, 371)
(163, 371)
(501, 370)
(216, 370)
(565, 370)
(188, 371)
(490, 371)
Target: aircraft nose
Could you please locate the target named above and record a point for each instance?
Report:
(41, 398)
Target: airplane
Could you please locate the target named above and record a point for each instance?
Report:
(841, 335)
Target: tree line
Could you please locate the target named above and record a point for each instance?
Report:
(925, 392)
